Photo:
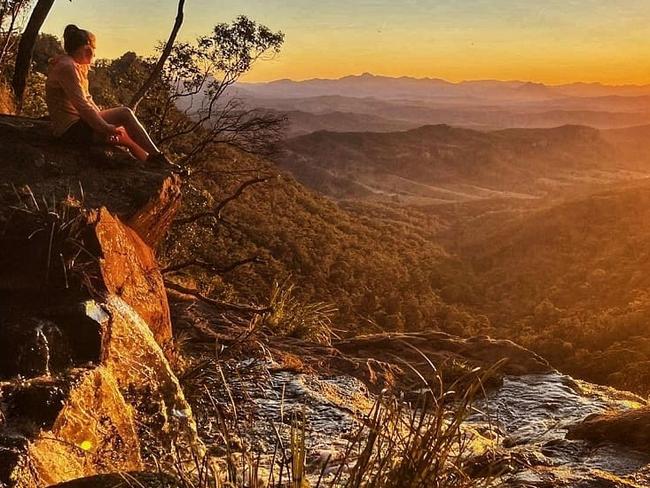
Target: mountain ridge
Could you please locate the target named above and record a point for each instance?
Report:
(441, 163)
(393, 85)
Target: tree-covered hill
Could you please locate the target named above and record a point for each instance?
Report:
(570, 280)
(447, 164)
(377, 264)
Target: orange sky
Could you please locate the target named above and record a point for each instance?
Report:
(551, 41)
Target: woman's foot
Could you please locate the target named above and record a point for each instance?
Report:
(163, 162)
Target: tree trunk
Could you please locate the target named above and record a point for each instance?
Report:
(137, 98)
(26, 49)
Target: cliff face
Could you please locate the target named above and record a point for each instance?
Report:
(84, 318)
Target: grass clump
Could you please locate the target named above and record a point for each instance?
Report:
(291, 317)
(398, 444)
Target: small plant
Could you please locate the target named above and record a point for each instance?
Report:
(291, 317)
(399, 444)
(59, 226)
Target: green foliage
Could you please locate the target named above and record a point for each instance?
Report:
(12, 15)
(378, 265)
(199, 75)
(34, 104)
(568, 280)
(47, 47)
(233, 48)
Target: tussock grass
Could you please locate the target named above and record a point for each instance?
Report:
(292, 318)
(59, 226)
(399, 444)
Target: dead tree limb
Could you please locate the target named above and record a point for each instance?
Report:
(14, 13)
(213, 268)
(157, 69)
(26, 49)
(238, 307)
(216, 212)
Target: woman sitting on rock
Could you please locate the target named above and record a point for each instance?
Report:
(74, 116)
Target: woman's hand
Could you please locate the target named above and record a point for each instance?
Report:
(116, 134)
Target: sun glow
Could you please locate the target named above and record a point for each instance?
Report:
(557, 42)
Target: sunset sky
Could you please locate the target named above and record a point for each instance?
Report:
(552, 41)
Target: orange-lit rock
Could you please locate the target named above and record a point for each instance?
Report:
(84, 318)
(84, 425)
(152, 221)
(129, 270)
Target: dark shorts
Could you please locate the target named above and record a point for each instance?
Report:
(79, 133)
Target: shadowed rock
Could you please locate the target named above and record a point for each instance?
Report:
(96, 175)
(123, 480)
(630, 428)
(83, 311)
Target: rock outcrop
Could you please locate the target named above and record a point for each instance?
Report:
(630, 428)
(401, 361)
(85, 385)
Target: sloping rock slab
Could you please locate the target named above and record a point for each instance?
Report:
(129, 270)
(139, 366)
(98, 176)
(63, 428)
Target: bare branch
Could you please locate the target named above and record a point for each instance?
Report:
(216, 212)
(155, 73)
(213, 268)
(217, 303)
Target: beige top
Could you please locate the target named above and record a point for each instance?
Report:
(67, 96)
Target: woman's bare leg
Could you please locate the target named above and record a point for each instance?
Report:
(131, 145)
(137, 135)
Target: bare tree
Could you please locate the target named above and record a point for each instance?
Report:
(10, 13)
(211, 267)
(157, 69)
(200, 76)
(26, 48)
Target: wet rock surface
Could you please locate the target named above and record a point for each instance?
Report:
(529, 417)
(518, 432)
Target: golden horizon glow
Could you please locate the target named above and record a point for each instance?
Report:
(559, 42)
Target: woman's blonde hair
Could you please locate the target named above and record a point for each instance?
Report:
(74, 38)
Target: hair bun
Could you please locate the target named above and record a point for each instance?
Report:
(69, 29)
(74, 38)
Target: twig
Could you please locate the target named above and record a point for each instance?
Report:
(212, 267)
(216, 212)
(217, 303)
